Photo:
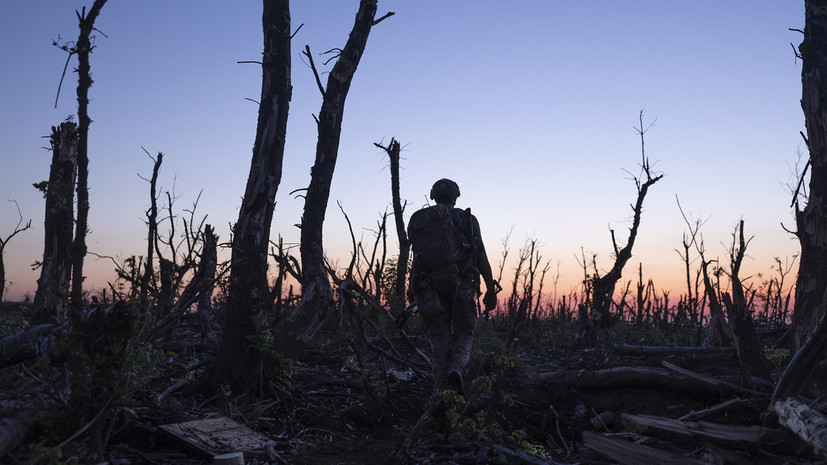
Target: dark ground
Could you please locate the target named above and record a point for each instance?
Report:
(343, 403)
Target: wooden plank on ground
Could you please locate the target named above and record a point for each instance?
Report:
(630, 453)
(219, 435)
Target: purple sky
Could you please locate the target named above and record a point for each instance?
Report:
(531, 109)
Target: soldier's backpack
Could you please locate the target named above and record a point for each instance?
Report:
(435, 238)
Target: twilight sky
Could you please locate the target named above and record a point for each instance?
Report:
(530, 108)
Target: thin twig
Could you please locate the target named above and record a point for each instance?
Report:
(386, 16)
(309, 56)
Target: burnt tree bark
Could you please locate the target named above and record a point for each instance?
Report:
(55, 270)
(248, 297)
(317, 295)
(83, 48)
(811, 286)
(397, 300)
(812, 221)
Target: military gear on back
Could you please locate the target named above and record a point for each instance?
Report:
(435, 238)
(448, 259)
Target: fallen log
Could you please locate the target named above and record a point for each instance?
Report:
(640, 377)
(716, 409)
(722, 386)
(628, 349)
(734, 437)
(33, 342)
(810, 425)
(631, 453)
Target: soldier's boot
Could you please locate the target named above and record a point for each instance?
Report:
(460, 354)
(440, 360)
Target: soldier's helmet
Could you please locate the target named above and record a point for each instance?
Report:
(445, 191)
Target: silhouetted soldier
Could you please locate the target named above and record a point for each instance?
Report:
(448, 259)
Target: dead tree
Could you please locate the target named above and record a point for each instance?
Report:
(397, 300)
(812, 272)
(148, 278)
(317, 295)
(249, 292)
(83, 48)
(718, 331)
(207, 268)
(811, 286)
(55, 269)
(603, 286)
(3, 242)
(750, 353)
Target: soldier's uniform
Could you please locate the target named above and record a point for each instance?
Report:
(446, 294)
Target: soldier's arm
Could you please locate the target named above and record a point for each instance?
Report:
(481, 257)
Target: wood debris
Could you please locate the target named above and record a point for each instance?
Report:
(220, 435)
(808, 424)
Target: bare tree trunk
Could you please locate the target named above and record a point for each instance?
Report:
(317, 296)
(148, 279)
(800, 369)
(3, 242)
(2, 276)
(811, 231)
(718, 333)
(208, 268)
(166, 292)
(83, 48)
(397, 300)
(199, 288)
(603, 286)
(750, 354)
(810, 294)
(249, 294)
(55, 270)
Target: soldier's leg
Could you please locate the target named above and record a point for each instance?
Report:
(438, 328)
(463, 322)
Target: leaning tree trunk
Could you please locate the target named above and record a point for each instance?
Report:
(603, 287)
(248, 297)
(55, 270)
(812, 221)
(317, 296)
(83, 49)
